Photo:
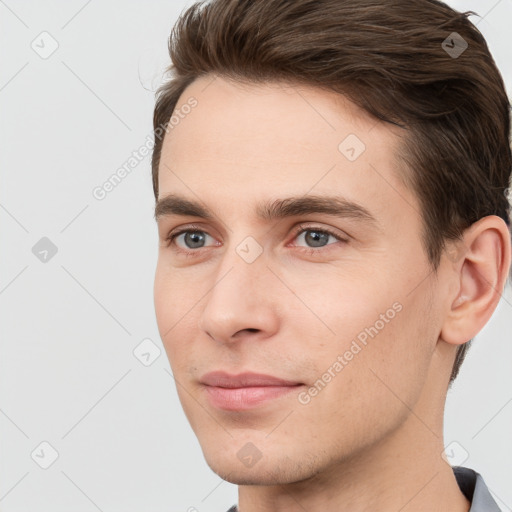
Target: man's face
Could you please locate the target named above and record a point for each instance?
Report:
(351, 317)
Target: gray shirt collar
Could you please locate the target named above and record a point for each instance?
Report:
(473, 487)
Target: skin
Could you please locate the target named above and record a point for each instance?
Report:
(372, 438)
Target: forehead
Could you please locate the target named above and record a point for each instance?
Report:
(283, 118)
(256, 140)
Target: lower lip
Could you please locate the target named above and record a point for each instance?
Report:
(239, 399)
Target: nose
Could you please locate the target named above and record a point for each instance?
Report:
(242, 302)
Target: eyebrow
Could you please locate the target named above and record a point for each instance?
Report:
(337, 206)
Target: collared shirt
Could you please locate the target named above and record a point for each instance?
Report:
(471, 484)
(473, 487)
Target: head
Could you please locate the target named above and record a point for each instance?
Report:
(279, 106)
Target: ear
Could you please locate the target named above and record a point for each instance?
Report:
(481, 262)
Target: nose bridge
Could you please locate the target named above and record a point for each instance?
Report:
(239, 298)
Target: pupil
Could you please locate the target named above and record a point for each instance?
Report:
(315, 238)
(194, 239)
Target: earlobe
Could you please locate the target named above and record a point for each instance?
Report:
(481, 274)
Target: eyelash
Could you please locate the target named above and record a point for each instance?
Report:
(298, 231)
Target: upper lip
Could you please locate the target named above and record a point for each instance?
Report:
(222, 379)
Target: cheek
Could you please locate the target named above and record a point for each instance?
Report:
(177, 302)
(163, 300)
(170, 306)
(173, 294)
(393, 364)
(361, 387)
(338, 304)
(372, 321)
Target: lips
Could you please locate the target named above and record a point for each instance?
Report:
(243, 380)
(244, 391)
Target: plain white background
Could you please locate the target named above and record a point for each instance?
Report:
(68, 373)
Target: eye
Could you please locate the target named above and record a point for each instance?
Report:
(316, 237)
(188, 240)
(312, 239)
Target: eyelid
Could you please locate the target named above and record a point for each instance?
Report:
(313, 226)
(173, 234)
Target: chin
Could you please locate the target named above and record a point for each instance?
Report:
(277, 470)
(247, 478)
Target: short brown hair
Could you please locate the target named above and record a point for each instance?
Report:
(392, 59)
